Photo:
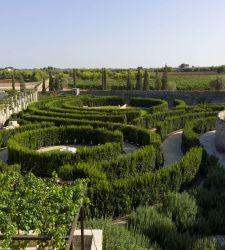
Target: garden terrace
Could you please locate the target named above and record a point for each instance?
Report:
(117, 183)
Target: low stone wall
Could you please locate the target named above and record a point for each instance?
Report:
(16, 104)
(191, 97)
(220, 132)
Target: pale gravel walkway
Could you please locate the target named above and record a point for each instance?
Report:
(127, 147)
(207, 140)
(4, 154)
(172, 148)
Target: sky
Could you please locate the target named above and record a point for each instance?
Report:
(111, 33)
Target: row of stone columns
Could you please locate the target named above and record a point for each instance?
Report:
(16, 104)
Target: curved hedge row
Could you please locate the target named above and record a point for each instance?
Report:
(123, 195)
(179, 104)
(6, 134)
(22, 148)
(153, 105)
(94, 101)
(194, 128)
(119, 184)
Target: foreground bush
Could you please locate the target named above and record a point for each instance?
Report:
(118, 237)
(181, 208)
(43, 206)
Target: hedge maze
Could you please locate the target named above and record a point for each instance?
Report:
(118, 182)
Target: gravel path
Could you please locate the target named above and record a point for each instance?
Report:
(208, 142)
(172, 148)
(127, 148)
(4, 154)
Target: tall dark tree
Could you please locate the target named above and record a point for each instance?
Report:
(13, 81)
(74, 78)
(22, 84)
(158, 81)
(104, 80)
(129, 84)
(43, 85)
(139, 80)
(146, 81)
(165, 79)
(51, 81)
(57, 82)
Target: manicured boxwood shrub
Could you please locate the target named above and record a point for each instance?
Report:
(151, 121)
(92, 101)
(117, 185)
(6, 134)
(96, 117)
(140, 161)
(178, 122)
(22, 147)
(122, 195)
(154, 105)
(194, 128)
(179, 104)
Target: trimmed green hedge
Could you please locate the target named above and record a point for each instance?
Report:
(22, 147)
(94, 101)
(131, 133)
(96, 117)
(6, 134)
(194, 128)
(117, 183)
(141, 161)
(122, 196)
(153, 105)
(179, 104)
(178, 122)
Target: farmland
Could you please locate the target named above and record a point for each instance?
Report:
(183, 82)
(115, 78)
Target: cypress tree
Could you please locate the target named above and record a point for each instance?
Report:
(51, 82)
(43, 85)
(104, 82)
(139, 80)
(22, 84)
(74, 78)
(158, 81)
(165, 79)
(129, 84)
(57, 83)
(146, 81)
(13, 81)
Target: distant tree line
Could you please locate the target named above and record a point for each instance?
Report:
(139, 79)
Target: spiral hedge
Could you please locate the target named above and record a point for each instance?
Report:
(22, 147)
(117, 182)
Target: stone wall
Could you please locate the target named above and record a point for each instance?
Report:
(220, 132)
(191, 97)
(16, 104)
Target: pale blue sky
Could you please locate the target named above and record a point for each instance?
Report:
(111, 33)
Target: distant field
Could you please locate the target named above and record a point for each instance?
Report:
(183, 80)
(6, 84)
(191, 82)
